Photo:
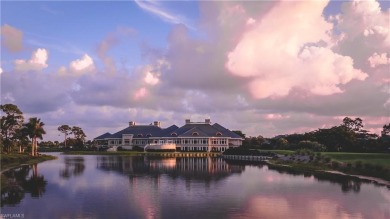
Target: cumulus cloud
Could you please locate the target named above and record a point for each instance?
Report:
(291, 56)
(318, 68)
(11, 38)
(84, 64)
(37, 62)
(365, 27)
(378, 59)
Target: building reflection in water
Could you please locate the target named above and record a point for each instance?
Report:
(197, 168)
(145, 176)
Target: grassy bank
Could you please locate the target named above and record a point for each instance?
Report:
(365, 164)
(371, 158)
(13, 160)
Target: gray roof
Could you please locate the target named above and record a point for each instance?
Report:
(203, 130)
(102, 137)
(139, 131)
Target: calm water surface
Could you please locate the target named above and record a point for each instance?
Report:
(143, 187)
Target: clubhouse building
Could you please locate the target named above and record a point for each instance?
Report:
(192, 136)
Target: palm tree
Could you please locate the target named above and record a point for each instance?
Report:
(34, 129)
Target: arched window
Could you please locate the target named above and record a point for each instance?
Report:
(195, 134)
(139, 135)
(174, 134)
(149, 135)
(219, 134)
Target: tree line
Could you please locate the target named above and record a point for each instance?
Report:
(349, 136)
(17, 134)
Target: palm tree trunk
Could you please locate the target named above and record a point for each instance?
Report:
(33, 146)
(36, 148)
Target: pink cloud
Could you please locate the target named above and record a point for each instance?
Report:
(378, 59)
(291, 55)
(140, 93)
(11, 38)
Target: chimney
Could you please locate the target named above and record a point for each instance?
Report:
(157, 123)
(207, 121)
(131, 123)
(188, 121)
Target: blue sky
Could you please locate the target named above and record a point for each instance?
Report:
(100, 64)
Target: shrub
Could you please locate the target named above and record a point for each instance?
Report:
(335, 164)
(358, 164)
(312, 145)
(368, 166)
(327, 159)
(379, 167)
(349, 165)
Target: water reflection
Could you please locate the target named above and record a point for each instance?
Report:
(347, 183)
(19, 181)
(147, 187)
(204, 169)
(74, 166)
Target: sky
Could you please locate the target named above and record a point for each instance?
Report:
(263, 67)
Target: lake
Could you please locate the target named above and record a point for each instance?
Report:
(110, 186)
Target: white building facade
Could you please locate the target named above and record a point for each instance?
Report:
(193, 136)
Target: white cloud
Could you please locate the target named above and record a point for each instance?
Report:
(291, 56)
(11, 38)
(152, 7)
(84, 64)
(378, 59)
(37, 62)
(151, 79)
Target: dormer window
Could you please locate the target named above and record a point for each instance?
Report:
(149, 135)
(195, 134)
(139, 135)
(174, 134)
(219, 134)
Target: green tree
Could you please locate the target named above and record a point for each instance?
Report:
(34, 129)
(386, 130)
(10, 123)
(66, 130)
(353, 125)
(79, 135)
(239, 132)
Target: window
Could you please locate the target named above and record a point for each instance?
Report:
(174, 134)
(149, 135)
(139, 135)
(219, 134)
(195, 134)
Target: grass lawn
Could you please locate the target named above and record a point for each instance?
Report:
(15, 159)
(372, 158)
(279, 151)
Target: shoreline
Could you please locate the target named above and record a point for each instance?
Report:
(369, 178)
(376, 180)
(29, 161)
